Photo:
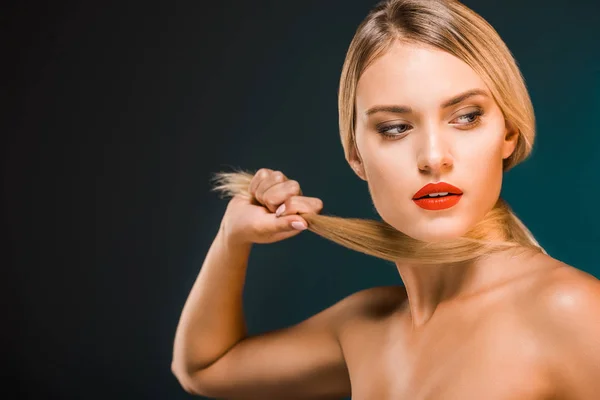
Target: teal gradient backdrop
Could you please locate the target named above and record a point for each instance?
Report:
(125, 110)
(290, 123)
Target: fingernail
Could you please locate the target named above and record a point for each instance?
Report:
(298, 225)
(280, 210)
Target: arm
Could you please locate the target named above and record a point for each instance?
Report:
(214, 357)
(570, 311)
(213, 309)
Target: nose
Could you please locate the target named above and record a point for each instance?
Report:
(434, 156)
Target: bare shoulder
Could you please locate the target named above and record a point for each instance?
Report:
(374, 303)
(565, 308)
(563, 292)
(566, 289)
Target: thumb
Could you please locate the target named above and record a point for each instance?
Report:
(291, 223)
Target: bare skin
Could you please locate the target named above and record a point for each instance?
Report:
(487, 345)
(511, 325)
(497, 342)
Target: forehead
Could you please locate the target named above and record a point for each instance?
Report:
(419, 76)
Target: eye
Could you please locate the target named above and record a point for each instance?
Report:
(396, 131)
(392, 131)
(472, 118)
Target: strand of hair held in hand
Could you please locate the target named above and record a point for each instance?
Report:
(379, 239)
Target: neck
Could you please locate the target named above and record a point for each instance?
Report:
(428, 286)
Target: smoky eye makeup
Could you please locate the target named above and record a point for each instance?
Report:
(470, 115)
(468, 118)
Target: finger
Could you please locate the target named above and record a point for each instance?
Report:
(299, 205)
(290, 223)
(258, 177)
(274, 196)
(273, 226)
(272, 179)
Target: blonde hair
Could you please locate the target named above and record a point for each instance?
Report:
(452, 27)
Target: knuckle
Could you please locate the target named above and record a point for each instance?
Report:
(294, 186)
(257, 178)
(278, 176)
(262, 173)
(318, 203)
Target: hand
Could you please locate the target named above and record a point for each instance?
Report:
(253, 220)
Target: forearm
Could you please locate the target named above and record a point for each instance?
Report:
(212, 319)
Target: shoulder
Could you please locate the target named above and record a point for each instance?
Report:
(566, 308)
(568, 298)
(367, 304)
(373, 303)
(558, 291)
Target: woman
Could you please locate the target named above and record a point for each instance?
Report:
(433, 110)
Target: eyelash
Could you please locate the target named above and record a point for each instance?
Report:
(384, 129)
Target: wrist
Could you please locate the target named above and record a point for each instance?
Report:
(231, 240)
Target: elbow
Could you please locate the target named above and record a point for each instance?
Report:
(189, 379)
(185, 379)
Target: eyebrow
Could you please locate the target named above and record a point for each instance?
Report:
(397, 109)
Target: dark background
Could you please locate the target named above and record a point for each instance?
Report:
(116, 114)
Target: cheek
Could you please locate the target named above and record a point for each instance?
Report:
(482, 156)
(391, 177)
(481, 174)
(385, 163)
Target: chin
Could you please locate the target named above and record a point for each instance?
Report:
(437, 232)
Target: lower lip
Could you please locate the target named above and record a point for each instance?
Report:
(439, 203)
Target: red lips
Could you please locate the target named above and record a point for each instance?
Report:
(436, 188)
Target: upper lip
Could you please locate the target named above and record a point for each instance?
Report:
(437, 188)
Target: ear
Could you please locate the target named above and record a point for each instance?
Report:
(511, 136)
(356, 163)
